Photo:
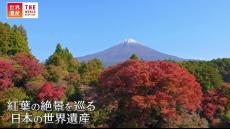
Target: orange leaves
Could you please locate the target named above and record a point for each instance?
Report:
(139, 101)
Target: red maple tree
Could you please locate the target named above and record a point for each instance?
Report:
(214, 103)
(28, 65)
(50, 92)
(6, 74)
(162, 86)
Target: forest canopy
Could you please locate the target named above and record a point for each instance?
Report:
(13, 39)
(133, 93)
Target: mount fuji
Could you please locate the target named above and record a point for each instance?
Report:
(124, 50)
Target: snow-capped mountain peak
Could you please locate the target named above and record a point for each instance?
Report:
(122, 52)
(129, 41)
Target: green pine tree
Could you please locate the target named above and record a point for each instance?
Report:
(4, 35)
(62, 57)
(12, 39)
(134, 57)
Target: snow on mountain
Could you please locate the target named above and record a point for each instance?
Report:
(124, 50)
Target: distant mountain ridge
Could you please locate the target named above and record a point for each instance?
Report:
(124, 50)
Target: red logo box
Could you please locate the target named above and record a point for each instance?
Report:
(14, 10)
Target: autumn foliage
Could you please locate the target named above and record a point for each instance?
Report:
(29, 65)
(6, 74)
(157, 85)
(50, 92)
(214, 103)
(18, 69)
(134, 93)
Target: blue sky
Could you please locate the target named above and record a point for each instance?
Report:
(193, 29)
